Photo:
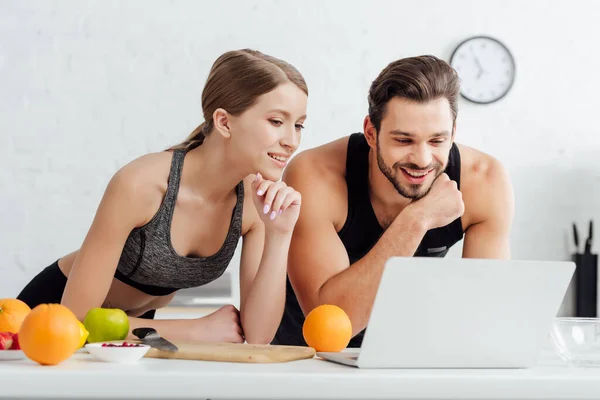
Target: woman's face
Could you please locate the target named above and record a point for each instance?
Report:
(268, 133)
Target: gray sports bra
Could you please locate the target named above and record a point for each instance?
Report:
(150, 263)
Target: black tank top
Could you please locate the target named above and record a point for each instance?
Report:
(362, 230)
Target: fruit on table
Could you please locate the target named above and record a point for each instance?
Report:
(6, 340)
(124, 344)
(327, 328)
(50, 334)
(9, 341)
(83, 334)
(15, 344)
(12, 314)
(106, 324)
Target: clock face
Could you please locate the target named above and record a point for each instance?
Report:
(485, 67)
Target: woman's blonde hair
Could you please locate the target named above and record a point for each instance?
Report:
(236, 80)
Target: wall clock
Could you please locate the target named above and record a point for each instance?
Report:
(486, 69)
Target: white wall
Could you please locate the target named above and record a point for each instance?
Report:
(88, 85)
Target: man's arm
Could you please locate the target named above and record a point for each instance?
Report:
(318, 265)
(491, 204)
(319, 268)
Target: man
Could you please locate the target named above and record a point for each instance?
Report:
(401, 188)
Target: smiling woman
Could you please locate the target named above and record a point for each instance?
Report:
(172, 220)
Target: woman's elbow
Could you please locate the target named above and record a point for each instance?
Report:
(259, 339)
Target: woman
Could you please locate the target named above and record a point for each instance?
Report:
(172, 220)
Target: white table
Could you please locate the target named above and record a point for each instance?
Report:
(81, 377)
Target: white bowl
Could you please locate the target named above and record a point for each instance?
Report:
(6, 355)
(117, 354)
(577, 340)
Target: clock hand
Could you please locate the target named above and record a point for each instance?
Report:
(478, 63)
(480, 72)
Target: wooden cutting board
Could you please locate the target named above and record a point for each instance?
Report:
(234, 352)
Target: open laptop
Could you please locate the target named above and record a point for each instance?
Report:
(460, 313)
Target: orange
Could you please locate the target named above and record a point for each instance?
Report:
(327, 328)
(50, 334)
(12, 314)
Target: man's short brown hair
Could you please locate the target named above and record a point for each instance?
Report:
(420, 79)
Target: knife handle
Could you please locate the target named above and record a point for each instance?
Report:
(144, 332)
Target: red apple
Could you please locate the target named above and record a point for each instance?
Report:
(6, 339)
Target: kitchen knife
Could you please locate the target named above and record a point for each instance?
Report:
(588, 242)
(150, 337)
(576, 238)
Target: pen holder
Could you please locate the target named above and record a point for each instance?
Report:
(586, 284)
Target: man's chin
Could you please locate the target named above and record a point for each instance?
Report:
(414, 192)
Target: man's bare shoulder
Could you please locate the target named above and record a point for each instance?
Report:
(479, 168)
(327, 162)
(319, 174)
(484, 182)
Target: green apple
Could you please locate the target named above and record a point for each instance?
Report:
(105, 324)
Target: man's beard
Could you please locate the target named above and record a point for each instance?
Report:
(409, 191)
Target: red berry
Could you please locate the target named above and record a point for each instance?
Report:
(124, 344)
(15, 343)
(6, 340)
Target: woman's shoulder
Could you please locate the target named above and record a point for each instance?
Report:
(143, 181)
(146, 171)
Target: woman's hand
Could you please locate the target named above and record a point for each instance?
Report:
(222, 326)
(277, 204)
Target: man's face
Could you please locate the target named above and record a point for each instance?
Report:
(413, 144)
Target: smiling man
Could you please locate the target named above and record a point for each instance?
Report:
(401, 188)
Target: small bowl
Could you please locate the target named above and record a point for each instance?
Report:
(577, 341)
(9, 355)
(122, 355)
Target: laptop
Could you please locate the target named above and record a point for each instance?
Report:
(460, 313)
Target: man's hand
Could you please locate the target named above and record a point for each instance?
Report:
(442, 205)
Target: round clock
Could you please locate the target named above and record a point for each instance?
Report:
(486, 69)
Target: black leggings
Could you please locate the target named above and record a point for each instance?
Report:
(48, 287)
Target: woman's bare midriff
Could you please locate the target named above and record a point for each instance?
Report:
(120, 295)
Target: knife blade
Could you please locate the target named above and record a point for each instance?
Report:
(588, 242)
(576, 238)
(150, 337)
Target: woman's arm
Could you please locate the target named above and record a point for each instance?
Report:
(262, 284)
(264, 259)
(124, 206)
(221, 326)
